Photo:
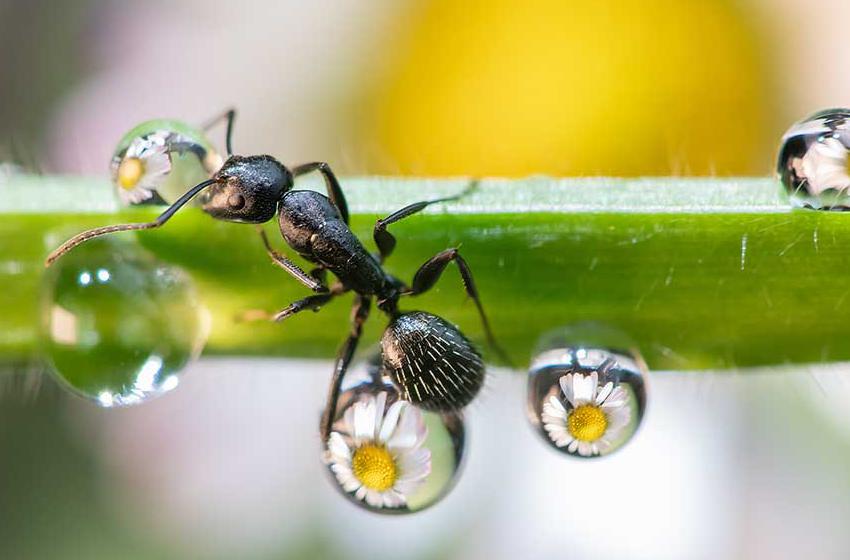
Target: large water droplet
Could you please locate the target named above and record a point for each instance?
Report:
(386, 455)
(118, 325)
(813, 162)
(584, 399)
(157, 161)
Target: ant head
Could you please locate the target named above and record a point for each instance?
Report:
(247, 189)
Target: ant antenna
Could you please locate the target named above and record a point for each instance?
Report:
(229, 116)
(97, 232)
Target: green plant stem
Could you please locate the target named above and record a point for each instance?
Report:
(699, 273)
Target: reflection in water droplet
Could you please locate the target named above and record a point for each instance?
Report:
(119, 326)
(157, 161)
(813, 162)
(386, 455)
(584, 400)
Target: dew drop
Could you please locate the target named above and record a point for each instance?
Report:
(813, 161)
(118, 326)
(386, 455)
(158, 160)
(585, 399)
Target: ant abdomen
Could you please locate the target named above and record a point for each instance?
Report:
(431, 362)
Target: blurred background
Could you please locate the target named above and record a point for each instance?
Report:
(755, 465)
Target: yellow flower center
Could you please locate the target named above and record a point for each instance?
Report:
(129, 172)
(374, 467)
(587, 423)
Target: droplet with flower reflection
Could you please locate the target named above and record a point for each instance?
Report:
(813, 161)
(119, 326)
(386, 455)
(586, 401)
(158, 160)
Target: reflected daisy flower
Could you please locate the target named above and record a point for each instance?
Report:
(378, 454)
(595, 419)
(141, 169)
(824, 166)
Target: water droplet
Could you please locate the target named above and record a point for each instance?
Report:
(119, 326)
(813, 162)
(585, 399)
(386, 455)
(157, 161)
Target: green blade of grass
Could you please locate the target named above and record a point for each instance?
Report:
(700, 273)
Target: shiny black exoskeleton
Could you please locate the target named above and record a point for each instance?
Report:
(430, 361)
(311, 225)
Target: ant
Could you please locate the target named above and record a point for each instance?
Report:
(430, 361)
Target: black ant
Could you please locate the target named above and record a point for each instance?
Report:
(431, 362)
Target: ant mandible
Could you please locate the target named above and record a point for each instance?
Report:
(431, 362)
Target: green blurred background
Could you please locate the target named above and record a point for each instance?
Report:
(226, 466)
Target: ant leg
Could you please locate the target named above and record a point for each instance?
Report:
(334, 190)
(320, 273)
(430, 272)
(290, 267)
(314, 302)
(359, 314)
(230, 116)
(386, 241)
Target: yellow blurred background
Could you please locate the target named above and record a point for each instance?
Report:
(633, 87)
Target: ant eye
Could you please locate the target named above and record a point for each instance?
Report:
(236, 201)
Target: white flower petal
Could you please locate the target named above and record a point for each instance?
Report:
(567, 387)
(415, 462)
(555, 427)
(392, 499)
(831, 148)
(594, 384)
(380, 406)
(390, 422)
(584, 388)
(135, 195)
(617, 398)
(338, 448)
(364, 420)
(559, 436)
(616, 427)
(573, 446)
(374, 498)
(346, 478)
(157, 165)
(556, 422)
(602, 445)
(825, 166)
(553, 406)
(604, 392)
(410, 432)
(553, 412)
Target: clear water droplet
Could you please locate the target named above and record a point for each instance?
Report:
(813, 161)
(158, 160)
(384, 454)
(586, 399)
(118, 325)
